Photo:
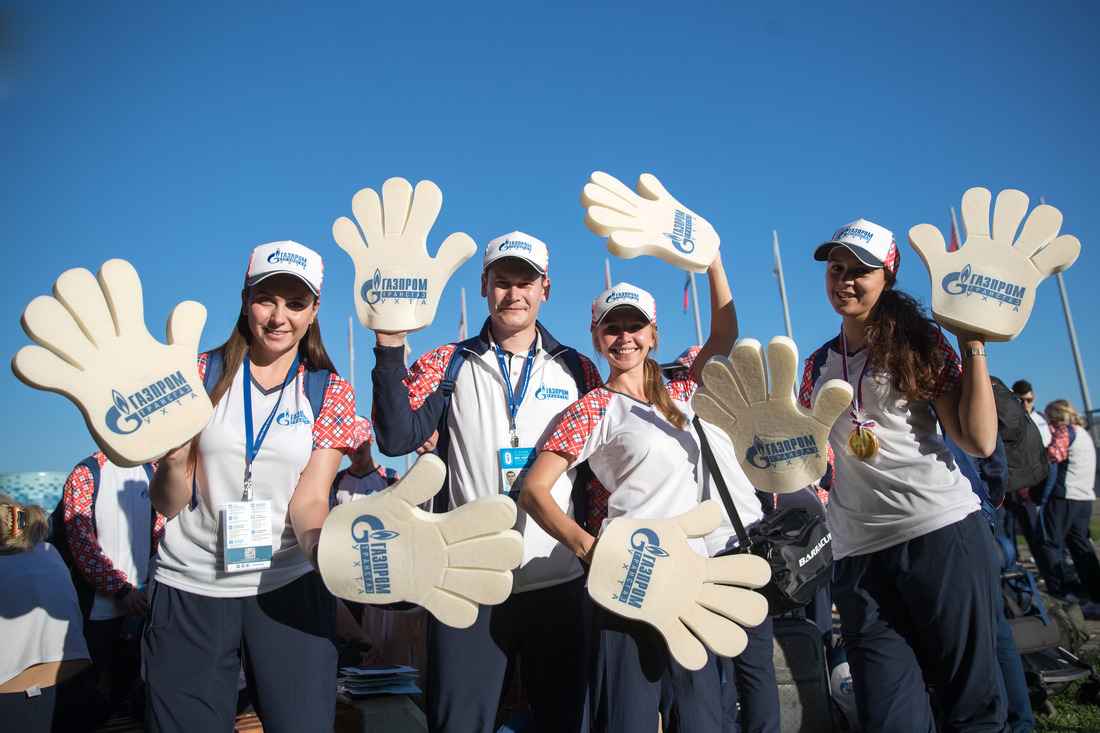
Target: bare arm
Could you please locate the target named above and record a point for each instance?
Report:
(723, 316)
(170, 489)
(309, 504)
(969, 413)
(535, 499)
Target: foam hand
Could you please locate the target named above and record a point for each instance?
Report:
(644, 569)
(139, 398)
(384, 549)
(650, 222)
(780, 445)
(988, 284)
(397, 285)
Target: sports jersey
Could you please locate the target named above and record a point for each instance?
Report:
(1074, 452)
(912, 486)
(408, 405)
(348, 487)
(648, 467)
(190, 555)
(111, 531)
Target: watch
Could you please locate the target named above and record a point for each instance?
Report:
(973, 352)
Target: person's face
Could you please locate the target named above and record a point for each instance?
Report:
(514, 291)
(361, 459)
(853, 287)
(280, 310)
(624, 337)
(1027, 399)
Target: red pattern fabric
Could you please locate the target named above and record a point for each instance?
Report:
(336, 426)
(577, 423)
(76, 495)
(598, 497)
(1058, 450)
(426, 374)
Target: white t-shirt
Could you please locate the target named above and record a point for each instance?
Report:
(190, 556)
(123, 518)
(912, 486)
(1041, 422)
(39, 614)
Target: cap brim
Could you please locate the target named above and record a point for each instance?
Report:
(488, 263)
(260, 278)
(821, 254)
(623, 305)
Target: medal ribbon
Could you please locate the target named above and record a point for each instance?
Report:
(856, 412)
(515, 400)
(252, 445)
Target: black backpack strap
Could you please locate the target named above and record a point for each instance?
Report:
(720, 482)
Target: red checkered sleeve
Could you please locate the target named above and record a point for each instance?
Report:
(336, 426)
(598, 496)
(426, 374)
(592, 378)
(1058, 450)
(391, 477)
(77, 495)
(951, 375)
(578, 422)
(682, 387)
(202, 365)
(806, 389)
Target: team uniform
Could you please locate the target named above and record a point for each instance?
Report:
(203, 616)
(1066, 511)
(649, 470)
(542, 619)
(916, 572)
(349, 487)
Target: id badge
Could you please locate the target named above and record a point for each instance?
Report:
(514, 463)
(247, 536)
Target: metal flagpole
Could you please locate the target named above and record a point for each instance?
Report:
(778, 272)
(1073, 341)
(956, 240)
(607, 273)
(462, 318)
(695, 300)
(351, 357)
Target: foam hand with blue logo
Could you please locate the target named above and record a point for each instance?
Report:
(645, 569)
(397, 284)
(988, 284)
(140, 398)
(384, 549)
(780, 445)
(649, 222)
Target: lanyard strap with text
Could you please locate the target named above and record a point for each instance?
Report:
(252, 444)
(515, 400)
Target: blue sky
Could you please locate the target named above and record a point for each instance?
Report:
(180, 135)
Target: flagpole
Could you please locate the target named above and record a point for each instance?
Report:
(351, 356)
(607, 273)
(782, 286)
(956, 240)
(462, 318)
(695, 301)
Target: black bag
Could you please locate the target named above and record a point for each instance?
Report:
(795, 542)
(1027, 456)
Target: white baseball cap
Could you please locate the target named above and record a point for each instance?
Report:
(873, 245)
(517, 244)
(624, 294)
(289, 258)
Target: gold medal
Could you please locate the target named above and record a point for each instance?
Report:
(862, 443)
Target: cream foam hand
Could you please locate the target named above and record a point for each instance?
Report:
(780, 445)
(988, 284)
(384, 549)
(649, 222)
(140, 398)
(397, 284)
(644, 569)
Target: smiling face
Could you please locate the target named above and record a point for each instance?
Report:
(514, 291)
(280, 310)
(625, 338)
(853, 287)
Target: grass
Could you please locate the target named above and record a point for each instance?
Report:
(1071, 716)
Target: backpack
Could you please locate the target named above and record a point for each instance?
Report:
(1027, 456)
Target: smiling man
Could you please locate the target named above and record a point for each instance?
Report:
(493, 398)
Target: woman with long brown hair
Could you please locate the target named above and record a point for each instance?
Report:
(245, 501)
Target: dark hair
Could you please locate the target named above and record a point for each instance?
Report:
(902, 341)
(1022, 386)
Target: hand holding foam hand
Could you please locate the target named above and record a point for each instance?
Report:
(140, 398)
(397, 285)
(988, 284)
(650, 222)
(780, 445)
(644, 569)
(385, 549)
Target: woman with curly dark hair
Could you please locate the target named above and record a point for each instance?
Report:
(915, 574)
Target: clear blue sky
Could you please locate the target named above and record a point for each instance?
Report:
(180, 135)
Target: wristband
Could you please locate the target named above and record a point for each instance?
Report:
(973, 352)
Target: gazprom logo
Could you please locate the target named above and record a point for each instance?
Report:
(646, 550)
(682, 235)
(298, 418)
(130, 413)
(514, 245)
(623, 295)
(379, 289)
(371, 536)
(855, 232)
(967, 283)
(289, 258)
(551, 393)
(767, 455)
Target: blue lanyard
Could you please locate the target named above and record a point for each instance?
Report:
(252, 445)
(514, 400)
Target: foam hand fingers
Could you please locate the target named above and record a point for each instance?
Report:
(185, 322)
(650, 188)
(420, 483)
(685, 648)
(348, 237)
(484, 515)
(496, 551)
(50, 324)
(81, 294)
(721, 635)
(700, 520)
(42, 369)
(622, 229)
(741, 569)
(782, 365)
(452, 609)
(929, 244)
(975, 213)
(455, 250)
(481, 586)
(606, 191)
(747, 363)
(1008, 213)
(744, 607)
(122, 290)
(426, 202)
(1058, 255)
(724, 387)
(397, 198)
(833, 399)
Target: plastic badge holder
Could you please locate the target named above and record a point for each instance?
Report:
(397, 284)
(780, 445)
(644, 569)
(139, 398)
(384, 549)
(650, 222)
(988, 284)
